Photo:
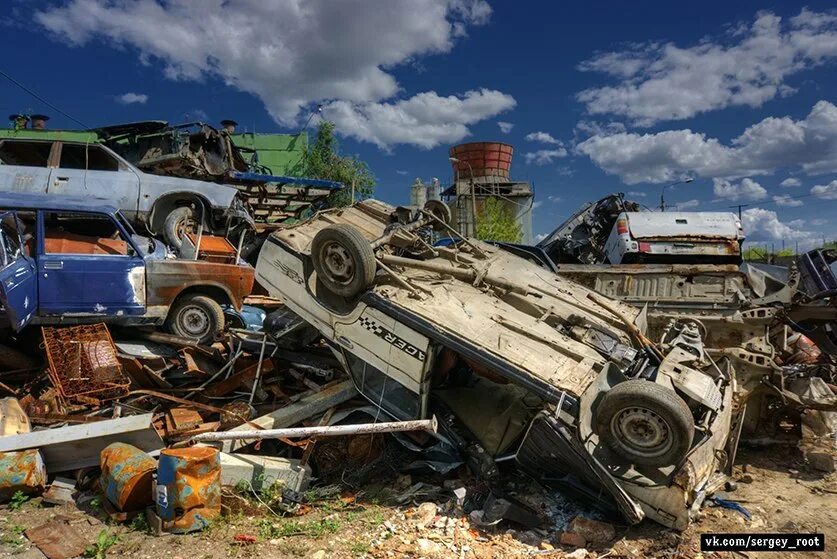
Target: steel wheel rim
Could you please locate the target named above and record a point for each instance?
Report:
(195, 321)
(337, 263)
(642, 431)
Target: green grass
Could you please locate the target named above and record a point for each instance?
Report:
(269, 529)
(360, 548)
(13, 535)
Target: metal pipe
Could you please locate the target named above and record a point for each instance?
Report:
(429, 425)
(258, 369)
(465, 274)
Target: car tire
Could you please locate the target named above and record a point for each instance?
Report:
(645, 423)
(176, 223)
(343, 259)
(197, 317)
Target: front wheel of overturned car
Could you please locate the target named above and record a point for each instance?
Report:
(343, 259)
(645, 423)
(197, 317)
(178, 223)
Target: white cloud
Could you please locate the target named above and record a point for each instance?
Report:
(554, 199)
(401, 172)
(291, 54)
(544, 156)
(425, 120)
(542, 137)
(566, 171)
(826, 191)
(540, 236)
(790, 182)
(747, 189)
(505, 127)
(819, 222)
(537, 204)
(663, 81)
(809, 144)
(131, 98)
(787, 201)
(637, 193)
(687, 204)
(595, 128)
(761, 224)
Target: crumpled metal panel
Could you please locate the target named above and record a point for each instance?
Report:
(188, 488)
(23, 471)
(127, 476)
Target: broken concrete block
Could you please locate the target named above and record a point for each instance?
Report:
(822, 461)
(425, 513)
(60, 491)
(593, 531)
(264, 471)
(572, 539)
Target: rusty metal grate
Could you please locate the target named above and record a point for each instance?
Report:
(83, 364)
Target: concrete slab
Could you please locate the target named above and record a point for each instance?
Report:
(264, 471)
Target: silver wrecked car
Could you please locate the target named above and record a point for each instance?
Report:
(527, 365)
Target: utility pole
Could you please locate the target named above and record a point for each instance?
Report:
(663, 191)
(739, 206)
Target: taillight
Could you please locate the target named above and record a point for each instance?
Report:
(622, 226)
(644, 247)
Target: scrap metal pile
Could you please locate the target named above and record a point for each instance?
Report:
(629, 387)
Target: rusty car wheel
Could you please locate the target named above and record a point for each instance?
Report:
(178, 223)
(197, 317)
(343, 259)
(645, 423)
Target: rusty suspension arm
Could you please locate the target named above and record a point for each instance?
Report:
(430, 425)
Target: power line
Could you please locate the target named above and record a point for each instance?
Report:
(41, 99)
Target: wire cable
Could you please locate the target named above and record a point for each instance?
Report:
(41, 99)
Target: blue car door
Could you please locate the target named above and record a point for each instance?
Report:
(88, 266)
(18, 276)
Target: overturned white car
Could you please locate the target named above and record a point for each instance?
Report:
(524, 364)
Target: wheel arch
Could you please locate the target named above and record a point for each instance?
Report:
(164, 205)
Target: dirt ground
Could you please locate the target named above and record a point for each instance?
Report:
(776, 485)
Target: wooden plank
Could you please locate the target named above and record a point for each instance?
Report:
(79, 446)
(288, 416)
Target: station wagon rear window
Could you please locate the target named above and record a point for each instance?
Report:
(26, 154)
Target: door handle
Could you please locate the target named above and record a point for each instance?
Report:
(59, 180)
(53, 265)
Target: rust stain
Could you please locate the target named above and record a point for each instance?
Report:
(167, 279)
(191, 478)
(22, 470)
(127, 475)
(83, 364)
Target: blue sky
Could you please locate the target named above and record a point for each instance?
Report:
(613, 96)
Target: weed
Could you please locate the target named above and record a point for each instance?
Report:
(375, 518)
(104, 541)
(96, 502)
(140, 524)
(286, 528)
(18, 499)
(361, 548)
(13, 535)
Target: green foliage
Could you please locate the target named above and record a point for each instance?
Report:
(496, 222)
(99, 549)
(13, 535)
(18, 499)
(361, 548)
(140, 524)
(323, 161)
(269, 529)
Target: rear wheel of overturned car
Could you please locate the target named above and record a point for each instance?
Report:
(343, 259)
(197, 317)
(178, 223)
(645, 423)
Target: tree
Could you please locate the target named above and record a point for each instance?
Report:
(496, 222)
(324, 161)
